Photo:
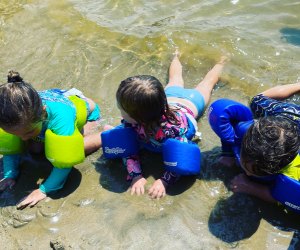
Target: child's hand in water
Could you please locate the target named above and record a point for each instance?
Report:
(158, 189)
(241, 184)
(227, 161)
(138, 185)
(32, 199)
(6, 182)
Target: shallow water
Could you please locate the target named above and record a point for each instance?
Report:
(92, 45)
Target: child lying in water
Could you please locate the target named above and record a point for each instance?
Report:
(271, 145)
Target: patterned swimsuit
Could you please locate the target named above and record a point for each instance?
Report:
(164, 131)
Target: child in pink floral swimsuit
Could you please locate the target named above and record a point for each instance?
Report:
(158, 114)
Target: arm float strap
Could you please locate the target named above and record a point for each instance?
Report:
(10, 144)
(64, 151)
(119, 142)
(181, 157)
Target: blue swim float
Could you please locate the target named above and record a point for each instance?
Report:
(183, 158)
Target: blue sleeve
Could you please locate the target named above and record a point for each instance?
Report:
(11, 166)
(55, 180)
(61, 118)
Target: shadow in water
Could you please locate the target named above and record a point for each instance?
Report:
(31, 171)
(234, 219)
(238, 216)
(291, 35)
(113, 173)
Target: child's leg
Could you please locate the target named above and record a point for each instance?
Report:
(187, 97)
(206, 86)
(175, 72)
(92, 142)
(90, 126)
(176, 80)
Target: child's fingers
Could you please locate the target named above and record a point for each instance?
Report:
(154, 193)
(138, 191)
(161, 193)
(132, 190)
(22, 205)
(142, 190)
(33, 203)
(151, 190)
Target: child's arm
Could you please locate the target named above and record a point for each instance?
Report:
(282, 91)
(134, 170)
(242, 184)
(10, 171)
(54, 182)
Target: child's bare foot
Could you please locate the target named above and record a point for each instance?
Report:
(176, 53)
(223, 60)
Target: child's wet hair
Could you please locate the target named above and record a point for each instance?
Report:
(20, 103)
(14, 76)
(270, 144)
(143, 98)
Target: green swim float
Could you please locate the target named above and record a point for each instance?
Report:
(10, 144)
(64, 151)
(81, 111)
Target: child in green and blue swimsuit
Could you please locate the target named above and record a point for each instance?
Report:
(31, 117)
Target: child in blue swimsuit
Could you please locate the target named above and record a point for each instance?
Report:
(271, 145)
(27, 114)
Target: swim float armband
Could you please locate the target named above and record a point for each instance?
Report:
(119, 142)
(64, 151)
(10, 144)
(229, 120)
(287, 191)
(81, 112)
(224, 115)
(181, 157)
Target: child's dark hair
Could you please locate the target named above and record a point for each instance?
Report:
(20, 103)
(270, 144)
(143, 98)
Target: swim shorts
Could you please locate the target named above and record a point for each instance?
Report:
(189, 94)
